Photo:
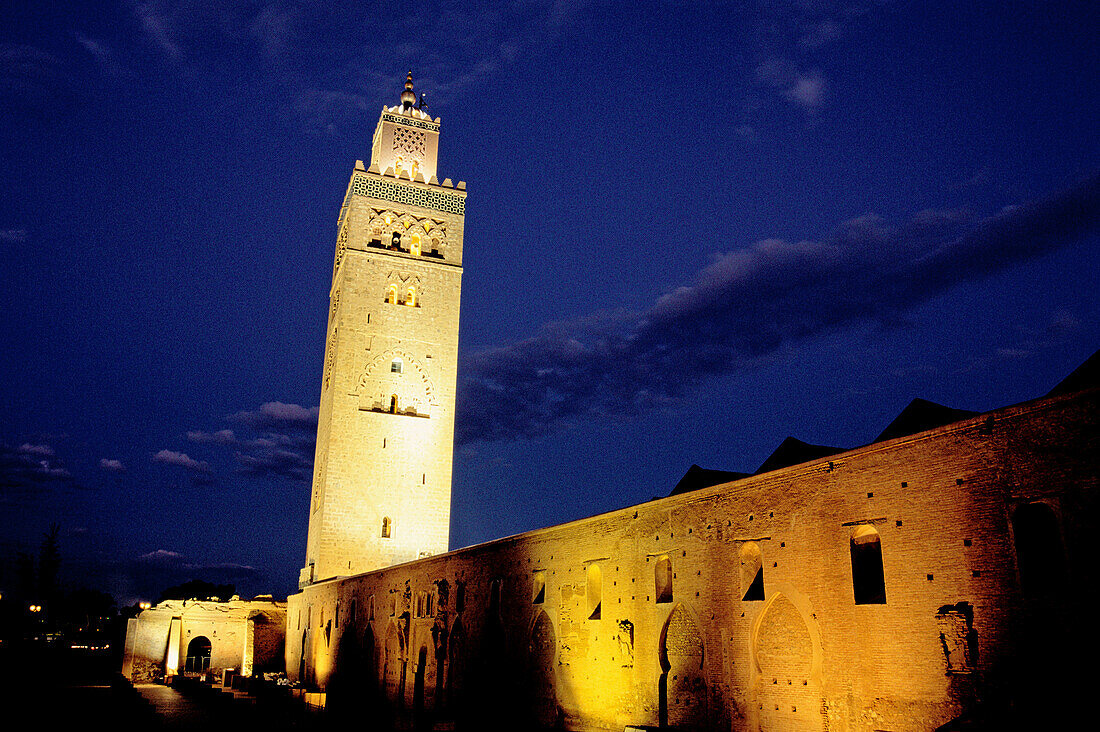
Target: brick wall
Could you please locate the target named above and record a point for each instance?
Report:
(805, 657)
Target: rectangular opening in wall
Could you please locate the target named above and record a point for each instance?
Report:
(868, 579)
(539, 581)
(662, 578)
(594, 591)
(752, 572)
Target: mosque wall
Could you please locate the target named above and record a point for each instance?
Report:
(884, 588)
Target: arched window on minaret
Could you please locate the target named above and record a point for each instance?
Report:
(391, 294)
(386, 527)
(414, 245)
(396, 366)
(395, 240)
(410, 297)
(393, 404)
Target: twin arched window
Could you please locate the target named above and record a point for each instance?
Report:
(410, 294)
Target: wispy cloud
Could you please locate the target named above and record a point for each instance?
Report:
(281, 444)
(804, 88)
(791, 42)
(146, 575)
(111, 466)
(748, 304)
(105, 56)
(278, 415)
(157, 22)
(450, 48)
(808, 90)
(30, 466)
(182, 460)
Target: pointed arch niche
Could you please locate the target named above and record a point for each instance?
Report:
(394, 382)
(786, 667)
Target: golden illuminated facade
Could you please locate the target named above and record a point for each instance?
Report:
(382, 476)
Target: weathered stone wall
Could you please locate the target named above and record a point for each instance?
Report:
(468, 634)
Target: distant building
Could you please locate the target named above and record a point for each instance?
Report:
(180, 636)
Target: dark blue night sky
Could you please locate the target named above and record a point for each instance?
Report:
(692, 230)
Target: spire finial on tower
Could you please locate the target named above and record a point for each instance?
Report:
(408, 98)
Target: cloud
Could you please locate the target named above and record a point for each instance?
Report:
(111, 466)
(748, 304)
(161, 556)
(312, 56)
(168, 559)
(282, 445)
(170, 457)
(805, 88)
(277, 415)
(808, 91)
(104, 55)
(30, 466)
(156, 22)
(147, 575)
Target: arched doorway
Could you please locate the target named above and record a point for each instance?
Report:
(683, 684)
(198, 655)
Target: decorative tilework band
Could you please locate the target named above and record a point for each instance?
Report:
(410, 122)
(409, 195)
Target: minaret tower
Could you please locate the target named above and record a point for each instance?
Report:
(382, 472)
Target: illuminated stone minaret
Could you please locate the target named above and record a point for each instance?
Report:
(382, 473)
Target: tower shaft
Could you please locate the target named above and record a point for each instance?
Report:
(381, 490)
